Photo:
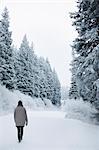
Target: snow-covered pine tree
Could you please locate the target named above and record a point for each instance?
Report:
(50, 81)
(88, 70)
(57, 90)
(73, 91)
(81, 22)
(37, 76)
(15, 56)
(6, 56)
(87, 48)
(24, 69)
(43, 78)
(78, 45)
(35, 72)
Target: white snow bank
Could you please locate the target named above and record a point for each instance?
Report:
(9, 100)
(78, 109)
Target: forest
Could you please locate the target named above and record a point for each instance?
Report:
(21, 69)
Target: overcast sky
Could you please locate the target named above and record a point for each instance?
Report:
(47, 24)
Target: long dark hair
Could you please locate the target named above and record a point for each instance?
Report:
(20, 103)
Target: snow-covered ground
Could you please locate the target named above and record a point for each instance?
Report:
(49, 130)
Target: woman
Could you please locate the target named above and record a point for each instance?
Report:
(20, 117)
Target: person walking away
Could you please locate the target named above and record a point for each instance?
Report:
(20, 118)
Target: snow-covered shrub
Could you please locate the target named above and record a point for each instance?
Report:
(78, 109)
(9, 100)
(48, 103)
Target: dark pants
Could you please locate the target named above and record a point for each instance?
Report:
(20, 132)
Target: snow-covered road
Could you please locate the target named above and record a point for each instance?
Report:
(49, 130)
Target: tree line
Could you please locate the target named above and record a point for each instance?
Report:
(21, 69)
(85, 50)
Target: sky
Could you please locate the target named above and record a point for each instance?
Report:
(47, 24)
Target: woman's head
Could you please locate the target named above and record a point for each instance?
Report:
(20, 103)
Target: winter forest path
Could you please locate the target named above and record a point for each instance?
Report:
(49, 130)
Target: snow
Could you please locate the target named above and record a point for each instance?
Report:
(9, 100)
(78, 109)
(49, 130)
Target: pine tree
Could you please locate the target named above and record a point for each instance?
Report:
(73, 91)
(50, 81)
(57, 90)
(37, 75)
(35, 72)
(24, 70)
(43, 78)
(6, 53)
(86, 45)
